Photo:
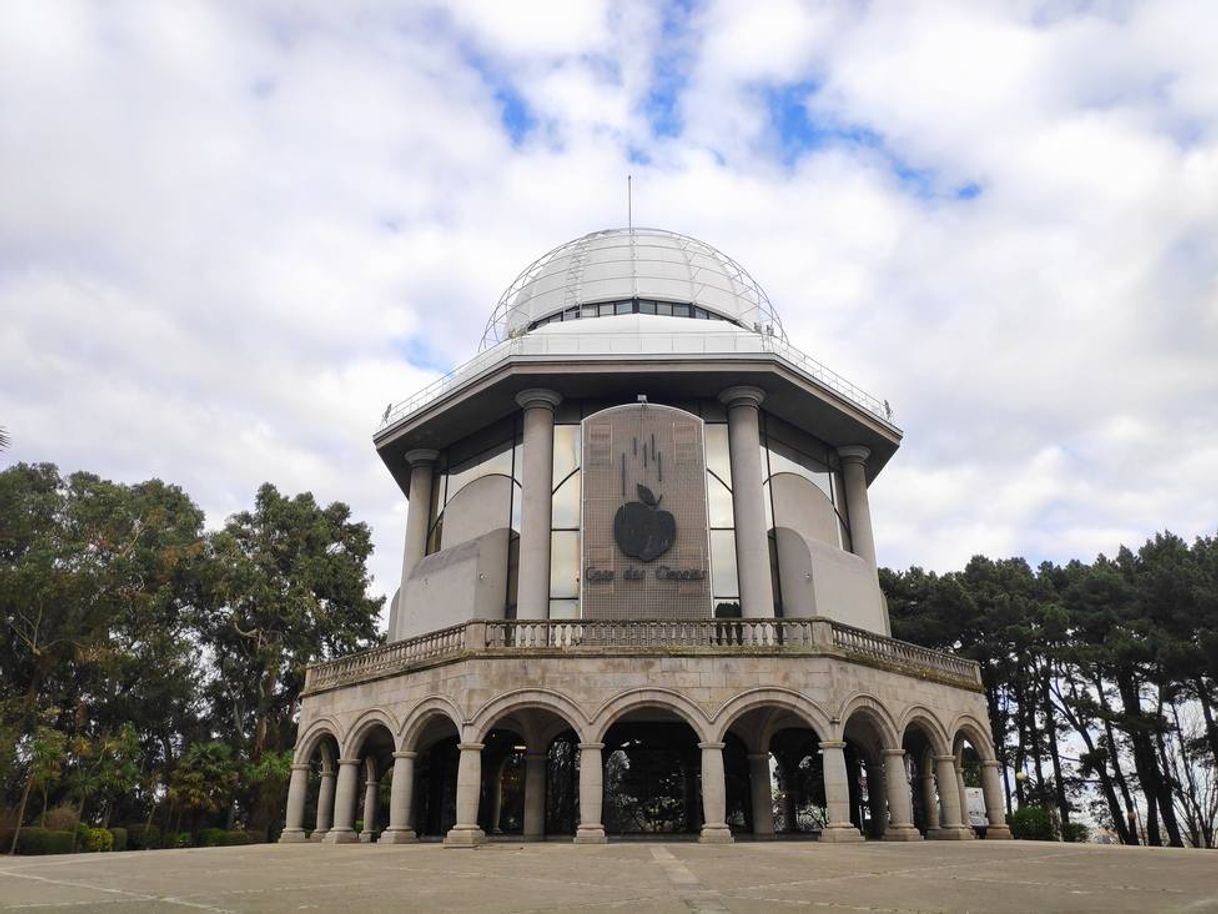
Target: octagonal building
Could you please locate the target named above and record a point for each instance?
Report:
(639, 591)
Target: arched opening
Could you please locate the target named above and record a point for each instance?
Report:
(983, 799)
(800, 806)
(434, 808)
(920, 751)
(373, 746)
(501, 806)
(323, 771)
(652, 776)
(865, 743)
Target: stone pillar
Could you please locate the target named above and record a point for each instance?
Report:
(466, 832)
(900, 806)
(762, 795)
(401, 800)
(298, 786)
(534, 796)
(752, 543)
(854, 473)
(371, 794)
(877, 801)
(418, 515)
(325, 804)
(837, 794)
(951, 826)
(591, 794)
(991, 786)
(343, 831)
(964, 816)
(714, 796)
(537, 486)
(930, 802)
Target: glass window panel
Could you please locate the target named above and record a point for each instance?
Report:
(719, 503)
(724, 582)
(566, 452)
(564, 609)
(588, 311)
(565, 504)
(700, 313)
(680, 310)
(517, 502)
(647, 307)
(784, 459)
(718, 458)
(624, 307)
(606, 309)
(513, 576)
(665, 308)
(518, 461)
(564, 564)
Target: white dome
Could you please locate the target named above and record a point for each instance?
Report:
(631, 266)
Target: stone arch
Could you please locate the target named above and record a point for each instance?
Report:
(967, 726)
(424, 711)
(353, 741)
(528, 699)
(871, 707)
(930, 725)
(785, 699)
(667, 699)
(310, 740)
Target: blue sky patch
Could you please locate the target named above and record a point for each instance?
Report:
(669, 73)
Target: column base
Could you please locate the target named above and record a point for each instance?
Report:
(398, 836)
(590, 834)
(319, 836)
(841, 834)
(715, 834)
(952, 833)
(539, 837)
(367, 837)
(902, 833)
(998, 833)
(464, 836)
(341, 836)
(764, 836)
(293, 836)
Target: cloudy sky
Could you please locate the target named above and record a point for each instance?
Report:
(231, 233)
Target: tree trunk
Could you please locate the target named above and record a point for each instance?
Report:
(1083, 729)
(1207, 711)
(1114, 756)
(1059, 784)
(25, 795)
(1151, 777)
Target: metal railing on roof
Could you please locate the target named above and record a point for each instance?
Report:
(657, 344)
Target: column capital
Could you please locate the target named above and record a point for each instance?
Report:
(405, 753)
(833, 744)
(328, 773)
(711, 745)
(596, 746)
(854, 452)
(741, 395)
(300, 766)
(421, 455)
(944, 758)
(991, 763)
(756, 756)
(350, 762)
(470, 747)
(893, 753)
(538, 397)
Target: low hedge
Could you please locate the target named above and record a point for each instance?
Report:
(97, 841)
(37, 841)
(211, 837)
(143, 837)
(120, 838)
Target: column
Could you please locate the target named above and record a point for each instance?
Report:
(858, 511)
(900, 806)
(418, 515)
(591, 794)
(537, 485)
(298, 786)
(325, 804)
(752, 543)
(991, 786)
(762, 795)
(964, 816)
(371, 787)
(343, 831)
(466, 832)
(951, 826)
(930, 802)
(534, 796)
(714, 796)
(877, 801)
(837, 794)
(401, 800)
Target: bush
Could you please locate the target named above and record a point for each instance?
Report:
(211, 837)
(97, 840)
(1032, 823)
(143, 837)
(37, 841)
(1075, 833)
(120, 838)
(235, 837)
(60, 818)
(176, 839)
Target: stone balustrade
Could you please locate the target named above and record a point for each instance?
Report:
(696, 636)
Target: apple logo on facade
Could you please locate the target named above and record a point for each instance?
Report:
(642, 530)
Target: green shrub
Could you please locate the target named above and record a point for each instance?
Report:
(37, 841)
(185, 839)
(1032, 823)
(255, 836)
(120, 838)
(142, 837)
(211, 837)
(235, 837)
(176, 839)
(60, 818)
(97, 840)
(1075, 833)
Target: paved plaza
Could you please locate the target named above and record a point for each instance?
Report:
(993, 877)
